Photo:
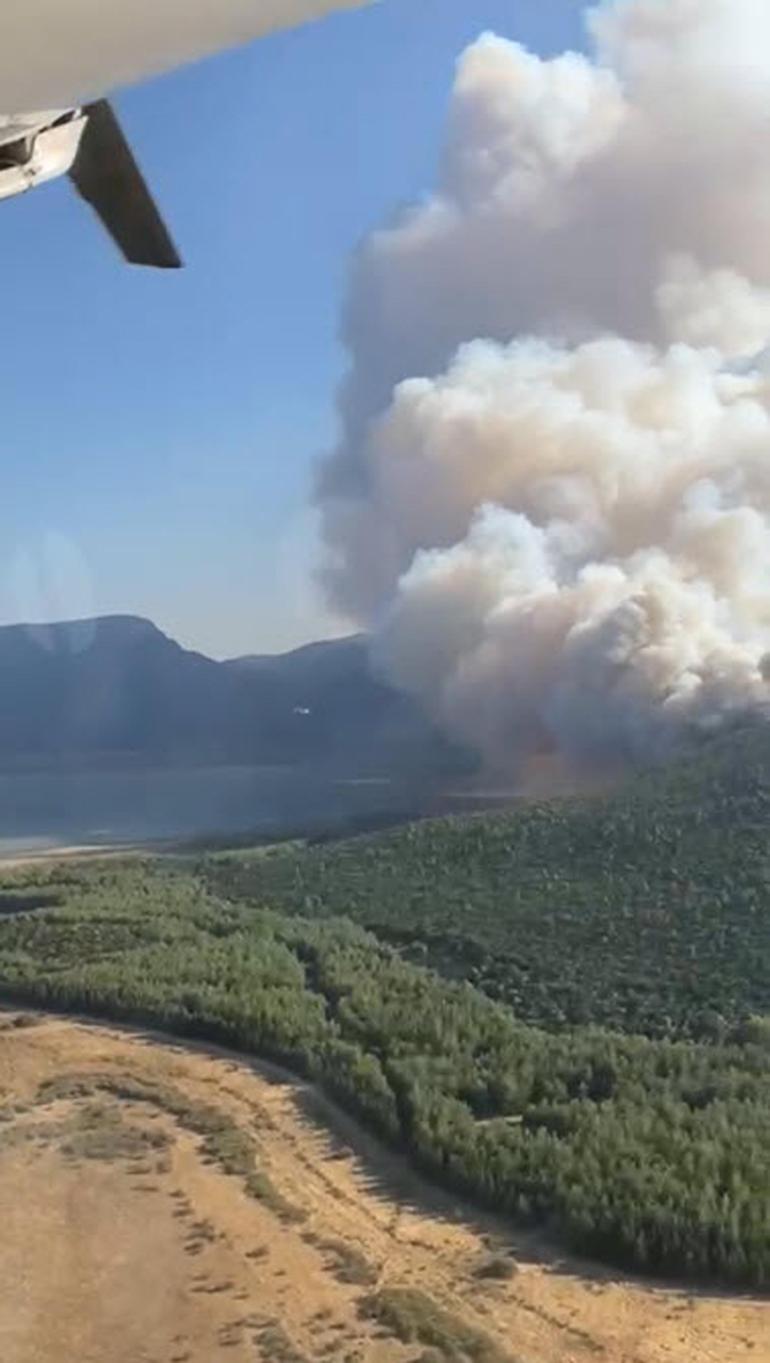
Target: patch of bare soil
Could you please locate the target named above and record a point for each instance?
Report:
(168, 1204)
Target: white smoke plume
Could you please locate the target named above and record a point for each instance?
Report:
(58, 53)
(551, 498)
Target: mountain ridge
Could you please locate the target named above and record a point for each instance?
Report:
(117, 688)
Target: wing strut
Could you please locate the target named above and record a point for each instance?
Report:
(107, 176)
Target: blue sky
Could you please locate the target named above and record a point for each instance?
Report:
(159, 432)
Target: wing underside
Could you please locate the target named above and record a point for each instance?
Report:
(61, 53)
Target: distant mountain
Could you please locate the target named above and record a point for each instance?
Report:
(116, 688)
(322, 700)
(100, 687)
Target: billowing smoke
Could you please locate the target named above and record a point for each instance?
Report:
(551, 498)
(57, 53)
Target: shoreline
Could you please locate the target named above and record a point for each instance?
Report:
(12, 861)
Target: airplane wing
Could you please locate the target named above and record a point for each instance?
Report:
(63, 53)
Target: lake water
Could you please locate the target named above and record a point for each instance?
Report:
(39, 811)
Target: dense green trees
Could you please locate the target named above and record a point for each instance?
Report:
(649, 1154)
(648, 911)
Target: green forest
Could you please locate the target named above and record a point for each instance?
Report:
(646, 911)
(647, 1152)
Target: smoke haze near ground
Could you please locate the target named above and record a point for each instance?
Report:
(56, 53)
(551, 497)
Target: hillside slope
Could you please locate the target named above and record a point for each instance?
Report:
(322, 703)
(648, 910)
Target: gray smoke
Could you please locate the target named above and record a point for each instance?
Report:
(560, 533)
(57, 53)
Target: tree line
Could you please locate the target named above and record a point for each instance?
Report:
(651, 1155)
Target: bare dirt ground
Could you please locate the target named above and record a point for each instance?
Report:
(123, 1240)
